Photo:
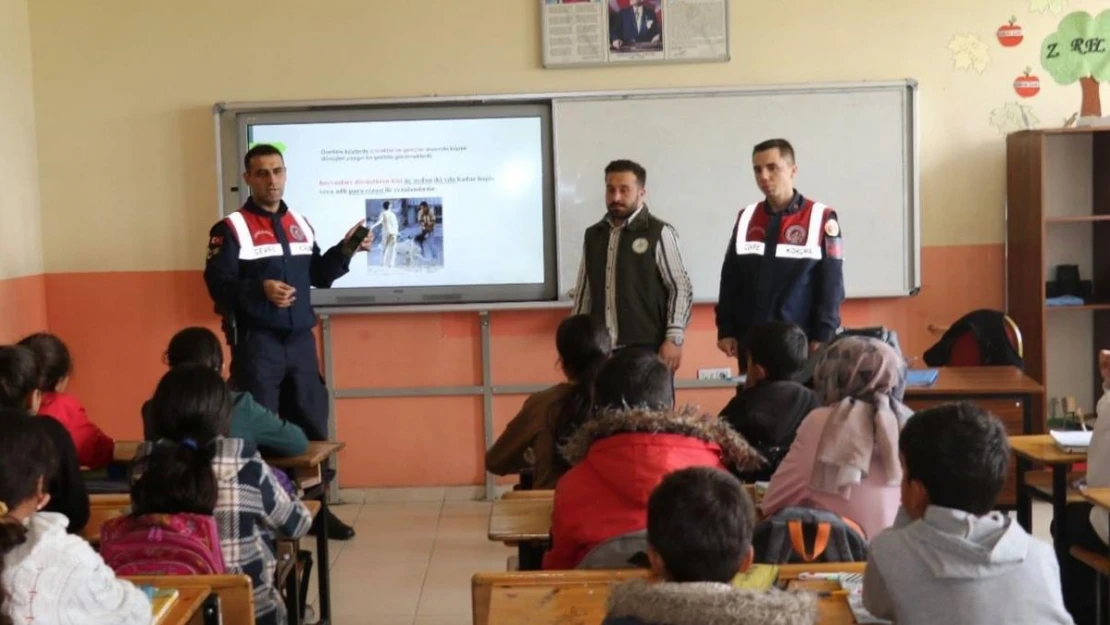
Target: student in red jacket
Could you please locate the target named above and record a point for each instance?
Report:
(94, 447)
(622, 454)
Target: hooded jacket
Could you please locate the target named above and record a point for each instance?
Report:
(640, 602)
(954, 567)
(618, 459)
(55, 578)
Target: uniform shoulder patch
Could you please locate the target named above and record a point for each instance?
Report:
(832, 228)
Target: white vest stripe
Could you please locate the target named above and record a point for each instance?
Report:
(743, 246)
(249, 251)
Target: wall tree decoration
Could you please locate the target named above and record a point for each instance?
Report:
(1079, 50)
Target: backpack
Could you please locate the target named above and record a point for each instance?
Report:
(623, 551)
(162, 544)
(798, 535)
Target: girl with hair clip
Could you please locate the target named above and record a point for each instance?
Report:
(50, 577)
(191, 410)
(171, 530)
(20, 398)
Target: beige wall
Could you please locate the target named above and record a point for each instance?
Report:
(124, 91)
(21, 253)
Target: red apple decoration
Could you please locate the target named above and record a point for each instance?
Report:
(1027, 85)
(1011, 34)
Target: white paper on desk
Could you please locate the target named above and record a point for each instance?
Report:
(1071, 439)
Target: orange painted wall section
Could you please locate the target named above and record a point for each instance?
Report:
(22, 307)
(117, 325)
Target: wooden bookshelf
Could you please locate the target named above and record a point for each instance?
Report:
(1054, 178)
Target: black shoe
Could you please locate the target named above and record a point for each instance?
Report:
(336, 529)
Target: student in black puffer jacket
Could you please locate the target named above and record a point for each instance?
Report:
(769, 406)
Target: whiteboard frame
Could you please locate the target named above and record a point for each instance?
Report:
(225, 116)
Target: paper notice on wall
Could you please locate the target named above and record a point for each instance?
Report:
(696, 29)
(574, 33)
(597, 32)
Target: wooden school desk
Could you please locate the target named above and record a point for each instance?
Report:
(187, 605)
(1005, 391)
(578, 597)
(307, 471)
(522, 518)
(525, 523)
(1039, 449)
(232, 595)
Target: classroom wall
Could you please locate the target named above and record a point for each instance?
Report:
(123, 95)
(22, 294)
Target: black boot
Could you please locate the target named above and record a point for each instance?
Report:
(336, 529)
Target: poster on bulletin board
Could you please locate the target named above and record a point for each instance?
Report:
(580, 33)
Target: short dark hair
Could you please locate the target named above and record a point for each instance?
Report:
(195, 345)
(634, 378)
(700, 522)
(424, 204)
(386, 205)
(191, 402)
(52, 357)
(174, 478)
(779, 347)
(625, 165)
(959, 453)
(262, 149)
(19, 376)
(782, 145)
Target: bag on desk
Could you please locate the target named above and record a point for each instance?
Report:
(799, 535)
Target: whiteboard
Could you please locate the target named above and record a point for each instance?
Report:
(856, 151)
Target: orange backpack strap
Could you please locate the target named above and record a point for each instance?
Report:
(820, 541)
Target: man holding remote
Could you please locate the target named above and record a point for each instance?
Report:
(262, 262)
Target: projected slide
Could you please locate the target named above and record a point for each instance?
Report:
(452, 202)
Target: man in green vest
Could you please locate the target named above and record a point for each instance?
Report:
(632, 276)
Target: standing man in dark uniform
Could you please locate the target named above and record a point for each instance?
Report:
(632, 277)
(262, 262)
(784, 261)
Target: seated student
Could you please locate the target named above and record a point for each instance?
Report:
(950, 559)
(50, 577)
(192, 406)
(94, 447)
(769, 407)
(170, 530)
(844, 458)
(550, 416)
(699, 527)
(1089, 526)
(622, 453)
(250, 421)
(19, 400)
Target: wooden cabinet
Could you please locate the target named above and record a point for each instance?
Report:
(1058, 213)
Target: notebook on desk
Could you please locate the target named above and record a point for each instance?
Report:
(921, 377)
(1072, 442)
(161, 600)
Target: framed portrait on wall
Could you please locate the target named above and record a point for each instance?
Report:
(597, 32)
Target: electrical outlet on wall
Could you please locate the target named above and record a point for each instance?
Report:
(723, 373)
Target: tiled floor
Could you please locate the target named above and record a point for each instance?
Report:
(411, 562)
